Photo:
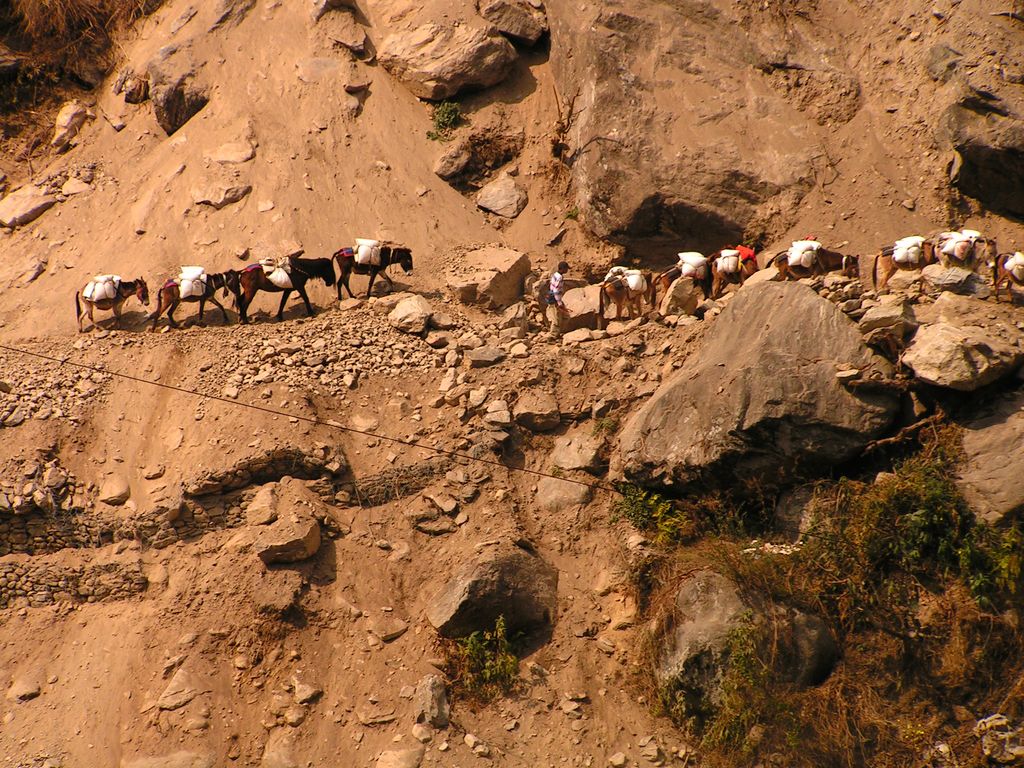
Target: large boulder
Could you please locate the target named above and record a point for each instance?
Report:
(760, 398)
(537, 411)
(439, 58)
(990, 475)
(502, 196)
(578, 449)
(695, 640)
(493, 275)
(220, 193)
(69, 122)
(294, 532)
(964, 359)
(174, 87)
(582, 304)
(937, 279)
(411, 315)
(23, 205)
(179, 759)
(681, 298)
(523, 21)
(506, 580)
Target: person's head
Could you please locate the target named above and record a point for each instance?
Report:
(563, 267)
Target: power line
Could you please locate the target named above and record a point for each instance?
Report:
(307, 419)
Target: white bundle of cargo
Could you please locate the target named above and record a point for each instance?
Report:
(803, 253)
(907, 250)
(693, 264)
(101, 287)
(728, 261)
(367, 252)
(191, 282)
(277, 271)
(1015, 266)
(970, 234)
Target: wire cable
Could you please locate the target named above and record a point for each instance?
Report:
(307, 419)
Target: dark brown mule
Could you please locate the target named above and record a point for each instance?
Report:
(885, 266)
(253, 279)
(1001, 275)
(389, 254)
(617, 292)
(748, 266)
(825, 261)
(663, 280)
(125, 290)
(169, 296)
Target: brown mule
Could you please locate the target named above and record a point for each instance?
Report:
(169, 296)
(125, 290)
(617, 291)
(253, 279)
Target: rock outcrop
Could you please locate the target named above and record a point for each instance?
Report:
(760, 398)
(438, 58)
(990, 477)
(502, 196)
(24, 205)
(697, 635)
(960, 358)
(505, 581)
(523, 21)
(174, 87)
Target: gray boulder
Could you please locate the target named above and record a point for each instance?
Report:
(454, 160)
(24, 205)
(493, 275)
(518, 19)
(681, 299)
(502, 196)
(431, 702)
(578, 449)
(506, 580)
(582, 303)
(295, 533)
(437, 59)
(220, 194)
(964, 359)
(69, 122)
(990, 476)
(555, 494)
(760, 397)
(180, 759)
(411, 315)
(401, 758)
(174, 87)
(695, 640)
(937, 279)
(537, 411)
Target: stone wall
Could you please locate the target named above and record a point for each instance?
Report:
(45, 584)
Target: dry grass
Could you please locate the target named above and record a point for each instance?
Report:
(64, 20)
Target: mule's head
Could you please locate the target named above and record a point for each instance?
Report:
(142, 291)
(851, 265)
(404, 259)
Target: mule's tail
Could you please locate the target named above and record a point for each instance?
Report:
(874, 271)
(652, 291)
(600, 308)
(78, 308)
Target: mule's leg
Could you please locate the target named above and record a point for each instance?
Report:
(170, 312)
(305, 299)
(155, 315)
(373, 276)
(117, 314)
(280, 309)
(219, 305)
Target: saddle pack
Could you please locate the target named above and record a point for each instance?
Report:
(191, 282)
(1015, 266)
(102, 287)
(907, 250)
(728, 261)
(367, 252)
(803, 253)
(633, 278)
(693, 265)
(278, 271)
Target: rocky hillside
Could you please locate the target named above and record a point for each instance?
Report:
(779, 527)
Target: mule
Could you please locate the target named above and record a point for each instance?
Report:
(617, 291)
(1010, 274)
(721, 277)
(169, 296)
(389, 254)
(825, 261)
(124, 291)
(967, 254)
(300, 271)
(885, 265)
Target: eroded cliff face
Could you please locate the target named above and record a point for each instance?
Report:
(708, 122)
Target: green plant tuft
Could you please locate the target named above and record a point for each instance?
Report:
(482, 665)
(447, 116)
(573, 213)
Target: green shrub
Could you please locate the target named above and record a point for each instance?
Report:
(482, 665)
(651, 512)
(573, 213)
(447, 116)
